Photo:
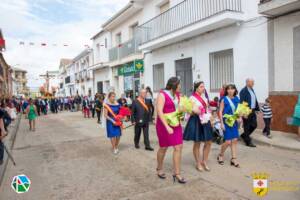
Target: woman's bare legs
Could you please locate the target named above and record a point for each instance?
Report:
(233, 147)
(196, 152)
(177, 160)
(160, 158)
(206, 150)
(30, 125)
(117, 142)
(33, 124)
(223, 149)
(113, 143)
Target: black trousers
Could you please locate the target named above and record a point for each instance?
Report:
(250, 124)
(137, 134)
(267, 129)
(99, 115)
(93, 112)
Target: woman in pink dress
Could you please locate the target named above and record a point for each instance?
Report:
(167, 102)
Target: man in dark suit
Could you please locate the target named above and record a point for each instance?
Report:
(247, 94)
(141, 117)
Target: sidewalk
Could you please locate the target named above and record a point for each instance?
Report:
(9, 142)
(279, 139)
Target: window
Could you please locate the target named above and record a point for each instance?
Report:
(164, 7)
(98, 49)
(158, 77)
(221, 69)
(133, 30)
(119, 38)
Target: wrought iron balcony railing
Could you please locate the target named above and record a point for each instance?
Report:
(184, 14)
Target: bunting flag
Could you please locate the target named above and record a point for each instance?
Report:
(44, 44)
(2, 42)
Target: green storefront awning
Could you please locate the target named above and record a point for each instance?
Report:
(131, 68)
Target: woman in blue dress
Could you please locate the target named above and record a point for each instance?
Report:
(231, 134)
(113, 130)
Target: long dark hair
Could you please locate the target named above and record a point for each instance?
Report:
(172, 84)
(149, 90)
(231, 86)
(197, 84)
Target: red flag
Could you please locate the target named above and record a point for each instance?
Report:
(2, 42)
(43, 44)
(65, 45)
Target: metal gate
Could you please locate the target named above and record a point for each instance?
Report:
(184, 73)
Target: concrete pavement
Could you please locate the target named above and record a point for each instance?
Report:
(69, 157)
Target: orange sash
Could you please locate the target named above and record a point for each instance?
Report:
(109, 110)
(143, 104)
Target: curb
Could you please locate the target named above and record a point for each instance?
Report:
(260, 142)
(10, 143)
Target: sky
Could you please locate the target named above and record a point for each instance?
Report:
(54, 22)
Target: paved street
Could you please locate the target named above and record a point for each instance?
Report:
(69, 157)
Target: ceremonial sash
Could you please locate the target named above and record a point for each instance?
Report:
(233, 108)
(108, 108)
(173, 98)
(200, 99)
(143, 104)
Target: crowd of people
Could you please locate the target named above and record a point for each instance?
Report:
(205, 124)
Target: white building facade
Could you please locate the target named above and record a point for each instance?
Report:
(82, 73)
(102, 82)
(215, 41)
(62, 75)
(284, 58)
(124, 58)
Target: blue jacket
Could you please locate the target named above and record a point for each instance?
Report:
(246, 97)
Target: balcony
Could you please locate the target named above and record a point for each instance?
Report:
(188, 19)
(123, 50)
(278, 7)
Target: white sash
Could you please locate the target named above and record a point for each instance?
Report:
(233, 108)
(174, 99)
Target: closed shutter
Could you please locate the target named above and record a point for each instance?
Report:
(158, 77)
(297, 58)
(221, 69)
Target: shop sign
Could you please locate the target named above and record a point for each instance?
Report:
(131, 68)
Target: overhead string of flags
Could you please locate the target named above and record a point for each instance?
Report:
(43, 44)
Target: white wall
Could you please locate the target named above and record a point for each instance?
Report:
(102, 75)
(101, 54)
(250, 55)
(283, 51)
(124, 28)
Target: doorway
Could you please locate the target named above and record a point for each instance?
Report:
(184, 72)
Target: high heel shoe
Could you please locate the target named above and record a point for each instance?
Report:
(206, 168)
(200, 169)
(161, 176)
(232, 163)
(179, 180)
(221, 162)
